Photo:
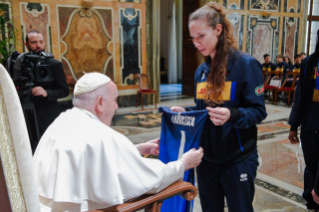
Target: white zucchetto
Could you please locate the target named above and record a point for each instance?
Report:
(89, 82)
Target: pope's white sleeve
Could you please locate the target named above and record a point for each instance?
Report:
(173, 172)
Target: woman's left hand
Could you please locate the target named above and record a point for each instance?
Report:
(219, 115)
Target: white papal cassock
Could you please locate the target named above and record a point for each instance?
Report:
(82, 164)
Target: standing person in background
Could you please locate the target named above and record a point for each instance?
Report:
(267, 65)
(229, 85)
(305, 113)
(45, 95)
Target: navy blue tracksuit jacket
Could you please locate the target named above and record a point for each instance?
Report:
(244, 96)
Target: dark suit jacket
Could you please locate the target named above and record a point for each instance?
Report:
(47, 108)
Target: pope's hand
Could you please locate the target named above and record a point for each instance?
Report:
(192, 158)
(149, 148)
(177, 109)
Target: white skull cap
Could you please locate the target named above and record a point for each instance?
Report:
(89, 82)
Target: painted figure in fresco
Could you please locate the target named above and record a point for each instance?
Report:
(87, 44)
(45, 94)
(267, 65)
(305, 113)
(82, 164)
(229, 85)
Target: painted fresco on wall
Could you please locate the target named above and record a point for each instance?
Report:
(130, 32)
(292, 6)
(36, 16)
(271, 5)
(290, 37)
(234, 4)
(262, 37)
(86, 41)
(237, 22)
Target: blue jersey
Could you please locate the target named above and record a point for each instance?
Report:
(180, 133)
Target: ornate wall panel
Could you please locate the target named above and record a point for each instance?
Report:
(262, 37)
(130, 35)
(290, 32)
(5, 34)
(293, 6)
(36, 16)
(86, 42)
(237, 22)
(134, 1)
(234, 4)
(270, 5)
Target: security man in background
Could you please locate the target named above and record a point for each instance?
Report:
(45, 94)
(305, 113)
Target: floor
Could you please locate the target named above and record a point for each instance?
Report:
(279, 182)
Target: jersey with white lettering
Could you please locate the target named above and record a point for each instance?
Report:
(180, 133)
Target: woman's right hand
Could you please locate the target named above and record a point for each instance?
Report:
(177, 109)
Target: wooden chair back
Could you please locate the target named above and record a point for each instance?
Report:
(290, 75)
(265, 75)
(141, 80)
(18, 191)
(276, 75)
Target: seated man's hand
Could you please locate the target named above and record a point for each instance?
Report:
(149, 148)
(315, 197)
(293, 137)
(192, 158)
(39, 91)
(177, 109)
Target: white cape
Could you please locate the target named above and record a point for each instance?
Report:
(79, 158)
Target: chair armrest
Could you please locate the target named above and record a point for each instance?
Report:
(185, 189)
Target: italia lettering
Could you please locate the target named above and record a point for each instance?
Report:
(183, 120)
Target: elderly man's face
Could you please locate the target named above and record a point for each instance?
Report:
(109, 104)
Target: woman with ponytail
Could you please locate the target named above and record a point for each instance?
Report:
(229, 85)
(305, 112)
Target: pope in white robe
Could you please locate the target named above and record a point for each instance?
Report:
(82, 164)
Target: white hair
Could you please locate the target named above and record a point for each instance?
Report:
(86, 100)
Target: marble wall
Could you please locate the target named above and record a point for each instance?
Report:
(267, 26)
(290, 31)
(262, 36)
(109, 37)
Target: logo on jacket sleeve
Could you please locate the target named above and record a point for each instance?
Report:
(243, 177)
(259, 90)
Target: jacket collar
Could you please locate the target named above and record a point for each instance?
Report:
(232, 56)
